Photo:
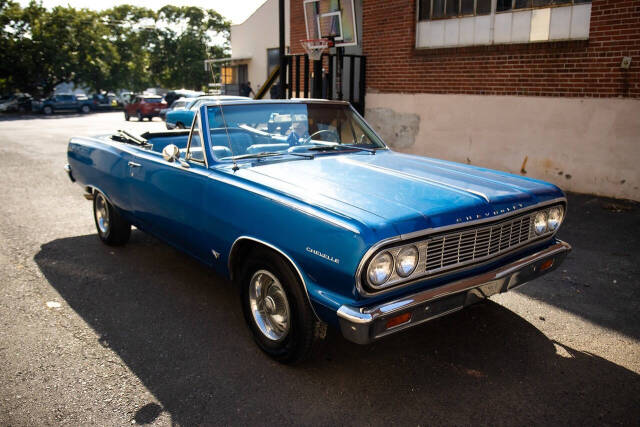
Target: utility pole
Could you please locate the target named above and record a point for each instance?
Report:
(283, 59)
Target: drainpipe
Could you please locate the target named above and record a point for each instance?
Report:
(283, 60)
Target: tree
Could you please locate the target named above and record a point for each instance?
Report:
(122, 47)
(177, 58)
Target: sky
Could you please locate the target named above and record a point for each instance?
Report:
(235, 10)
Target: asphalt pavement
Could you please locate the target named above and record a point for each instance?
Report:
(91, 334)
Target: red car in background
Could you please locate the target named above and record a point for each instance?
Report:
(144, 106)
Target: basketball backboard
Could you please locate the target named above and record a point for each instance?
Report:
(331, 18)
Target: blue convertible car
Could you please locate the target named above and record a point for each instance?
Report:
(304, 207)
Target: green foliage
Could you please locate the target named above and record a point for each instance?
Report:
(122, 47)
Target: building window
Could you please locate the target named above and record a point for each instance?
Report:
(439, 9)
(444, 23)
(273, 60)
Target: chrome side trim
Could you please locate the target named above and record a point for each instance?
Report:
(356, 322)
(421, 233)
(281, 198)
(281, 252)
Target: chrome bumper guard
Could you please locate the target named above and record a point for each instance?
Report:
(67, 169)
(364, 325)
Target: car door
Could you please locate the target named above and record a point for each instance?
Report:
(167, 197)
(66, 102)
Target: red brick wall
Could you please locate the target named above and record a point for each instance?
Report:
(571, 68)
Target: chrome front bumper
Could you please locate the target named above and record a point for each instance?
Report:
(364, 325)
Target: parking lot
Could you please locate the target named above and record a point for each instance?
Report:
(91, 334)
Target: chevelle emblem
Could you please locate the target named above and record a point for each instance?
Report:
(322, 255)
(490, 213)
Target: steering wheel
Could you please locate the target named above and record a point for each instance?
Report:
(307, 139)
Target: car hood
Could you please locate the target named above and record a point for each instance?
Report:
(406, 192)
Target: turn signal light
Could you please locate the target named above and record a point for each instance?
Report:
(398, 320)
(546, 265)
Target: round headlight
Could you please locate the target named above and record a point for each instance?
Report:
(540, 223)
(380, 268)
(406, 261)
(555, 218)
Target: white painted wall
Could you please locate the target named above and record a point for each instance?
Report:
(254, 36)
(587, 145)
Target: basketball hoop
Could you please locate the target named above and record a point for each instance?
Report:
(314, 47)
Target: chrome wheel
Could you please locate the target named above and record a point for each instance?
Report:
(102, 214)
(269, 305)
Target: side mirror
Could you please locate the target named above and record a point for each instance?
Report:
(171, 153)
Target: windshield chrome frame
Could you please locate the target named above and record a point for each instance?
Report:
(221, 103)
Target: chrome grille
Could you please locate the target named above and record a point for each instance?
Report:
(452, 250)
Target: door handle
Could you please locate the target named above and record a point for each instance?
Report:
(134, 164)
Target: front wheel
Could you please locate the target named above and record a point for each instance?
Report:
(47, 110)
(276, 308)
(139, 116)
(112, 228)
(126, 116)
(179, 125)
(85, 109)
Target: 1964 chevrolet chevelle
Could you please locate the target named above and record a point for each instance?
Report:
(304, 207)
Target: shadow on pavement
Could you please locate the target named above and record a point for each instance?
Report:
(178, 327)
(599, 279)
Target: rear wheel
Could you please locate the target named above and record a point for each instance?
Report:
(276, 308)
(85, 109)
(179, 125)
(126, 116)
(112, 228)
(139, 116)
(47, 110)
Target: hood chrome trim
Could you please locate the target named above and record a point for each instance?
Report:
(425, 232)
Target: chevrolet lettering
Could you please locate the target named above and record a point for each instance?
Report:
(317, 222)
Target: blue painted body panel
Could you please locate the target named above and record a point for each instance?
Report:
(183, 116)
(340, 204)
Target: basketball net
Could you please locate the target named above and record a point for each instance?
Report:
(315, 47)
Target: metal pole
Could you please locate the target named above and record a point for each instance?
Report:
(283, 59)
(339, 60)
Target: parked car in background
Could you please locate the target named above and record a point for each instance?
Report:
(103, 101)
(323, 225)
(63, 102)
(19, 102)
(178, 104)
(144, 107)
(182, 118)
(125, 98)
(172, 95)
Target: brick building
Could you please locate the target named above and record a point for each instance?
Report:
(537, 87)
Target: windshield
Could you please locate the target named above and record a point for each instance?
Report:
(287, 128)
